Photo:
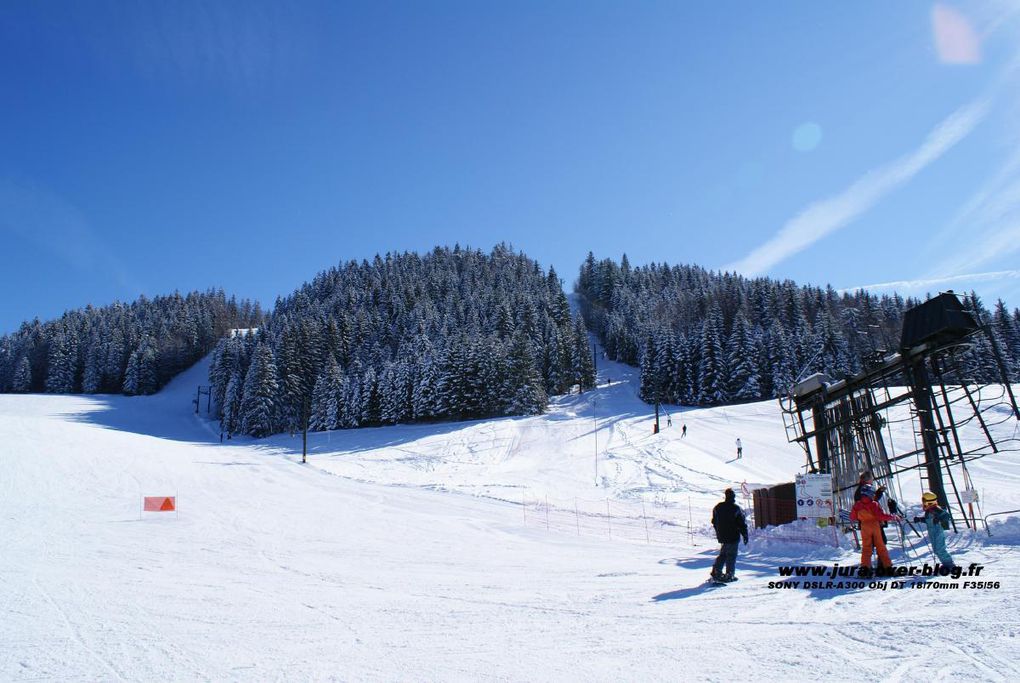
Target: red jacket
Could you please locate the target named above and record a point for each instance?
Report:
(866, 510)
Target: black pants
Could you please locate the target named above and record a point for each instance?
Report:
(727, 556)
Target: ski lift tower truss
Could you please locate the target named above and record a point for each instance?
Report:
(845, 427)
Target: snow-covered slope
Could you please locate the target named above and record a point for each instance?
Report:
(406, 553)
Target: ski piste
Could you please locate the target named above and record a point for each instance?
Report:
(419, 535)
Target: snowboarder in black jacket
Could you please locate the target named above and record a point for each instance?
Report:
(730, 527)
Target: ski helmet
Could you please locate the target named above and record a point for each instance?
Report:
(928, 499)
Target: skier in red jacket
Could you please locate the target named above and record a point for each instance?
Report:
(871, 515)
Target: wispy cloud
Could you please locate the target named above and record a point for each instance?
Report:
(928, 284)
(986, 229)
(828, 215)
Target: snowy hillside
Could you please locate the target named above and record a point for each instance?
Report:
(468, 551)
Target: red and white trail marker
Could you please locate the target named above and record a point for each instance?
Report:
(159, 504)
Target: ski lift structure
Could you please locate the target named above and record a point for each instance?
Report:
(844, 426)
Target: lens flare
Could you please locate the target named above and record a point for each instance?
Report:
(955, 38)
(807, 136)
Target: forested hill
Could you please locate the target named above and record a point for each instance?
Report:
(131, 348)
(453, 334)
(706, 338)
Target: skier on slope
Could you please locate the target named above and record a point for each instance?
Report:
(740, 449)
(934, 517)
(867, 479)
(870, 514)
(730, 527)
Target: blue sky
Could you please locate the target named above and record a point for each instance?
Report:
(147, 147)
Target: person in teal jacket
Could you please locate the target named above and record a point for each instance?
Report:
(933, 518)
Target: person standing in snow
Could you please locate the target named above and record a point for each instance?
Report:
(871, 515)
(934, 517)
(683, 432)
(730, 527)
(867, 479)
(740, 449)
(669, 420)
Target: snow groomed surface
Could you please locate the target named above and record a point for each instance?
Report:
(420, 553)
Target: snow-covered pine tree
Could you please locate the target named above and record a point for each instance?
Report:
(424, 396)
(371, 401)
(326, 397)
(260, 390)
(131, 374)
(92, 377)
(522, 388)
(230, 421)
(63, 364)
(582, 361)
(148, 378)
(713, 372)
(780, 361)
(353, 406)
(1008, 337)
(22, 381)
(742, 350)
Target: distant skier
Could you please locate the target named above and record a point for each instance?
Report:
(730, 527)
(934, 517)
(740, 449)
(683, 432)
(669, 420)
(870, 514)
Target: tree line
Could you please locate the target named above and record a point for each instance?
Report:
(131, 348)
(707, 338)
(459, 334)
(455, 334)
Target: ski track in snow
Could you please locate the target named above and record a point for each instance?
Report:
(402, 553)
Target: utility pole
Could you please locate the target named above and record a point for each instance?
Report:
(595, 418)
(655, 430)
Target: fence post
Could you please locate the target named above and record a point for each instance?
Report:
(690, 522)
(609, 519)
(645, 518)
